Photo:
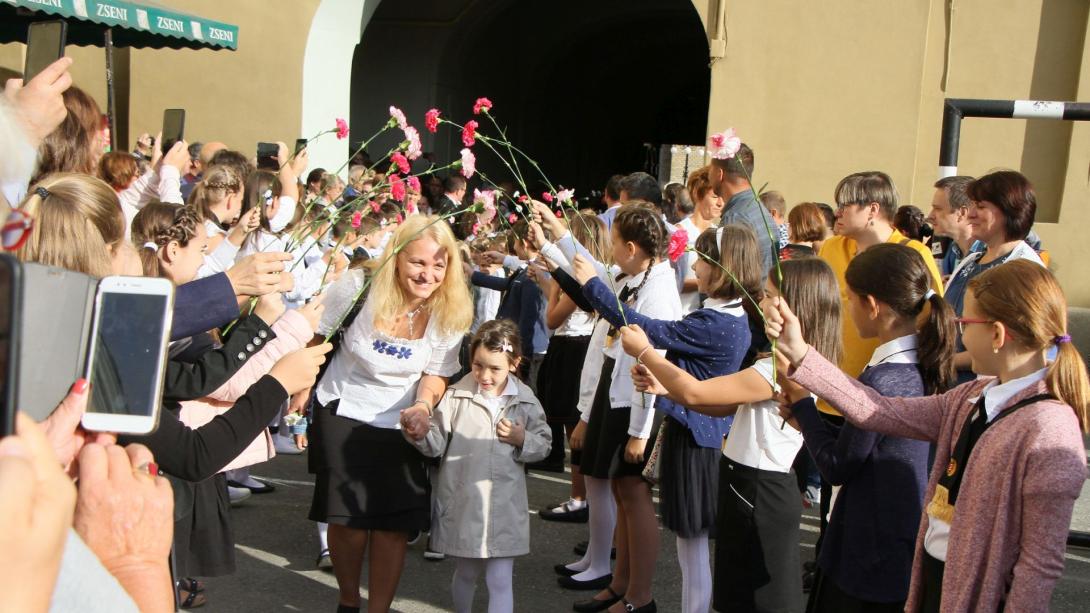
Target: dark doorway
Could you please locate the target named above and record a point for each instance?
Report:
(588, 89)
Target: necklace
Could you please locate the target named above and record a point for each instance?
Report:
(411, 316)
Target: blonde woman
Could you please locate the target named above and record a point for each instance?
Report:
(392, 366)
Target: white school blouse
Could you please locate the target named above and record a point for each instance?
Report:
(758, 437)
(375, 375)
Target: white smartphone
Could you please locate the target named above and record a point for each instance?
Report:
(127, 357)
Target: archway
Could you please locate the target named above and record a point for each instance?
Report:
(588, 89)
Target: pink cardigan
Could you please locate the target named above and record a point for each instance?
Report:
(292, 332)
(1013, 513)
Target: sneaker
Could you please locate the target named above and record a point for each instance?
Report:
(571, 511)
(324, 562)
(253, 485)
(285, 446)
(238, 494)
(811, 497)
(434, 556)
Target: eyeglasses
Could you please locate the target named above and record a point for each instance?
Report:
(16, 230)
(964, 321)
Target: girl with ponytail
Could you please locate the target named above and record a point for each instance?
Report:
(1009, 457)
(866, 558)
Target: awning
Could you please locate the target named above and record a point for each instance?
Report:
(135, 23)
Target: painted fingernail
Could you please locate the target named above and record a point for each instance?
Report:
(80, 386)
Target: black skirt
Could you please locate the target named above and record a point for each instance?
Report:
(827, 597)
(204, 543)
(757, 565)
(688, 482)
(558, 378)
(607, 435)
(366, 478)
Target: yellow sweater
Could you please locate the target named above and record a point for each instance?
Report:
(838, 252)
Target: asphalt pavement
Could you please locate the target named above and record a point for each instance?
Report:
(276, 547)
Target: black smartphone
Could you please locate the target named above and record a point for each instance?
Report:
(44, 45)
(173, 128)
(300, 144)
(11, 285)
(268, 156)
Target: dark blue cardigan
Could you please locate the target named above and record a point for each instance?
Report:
(523, 304)
(706, 344)
(871, 537)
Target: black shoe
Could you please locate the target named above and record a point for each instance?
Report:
(594, 605)
(343, 608)
(564, 571)
(264, 488)
(647, 608)
(570, 583)
(807, 581)
(580, 549)
(546, 466)
(563, 512)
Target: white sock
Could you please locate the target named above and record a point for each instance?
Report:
(323, 536)
(603, 519)
(498, 577)
(696, 574)
(464, 583)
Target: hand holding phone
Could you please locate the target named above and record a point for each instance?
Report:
(268, 156)
(127, 359)
(39, 102)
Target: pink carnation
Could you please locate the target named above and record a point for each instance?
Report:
(512, 218)
(524, 198)
(414, 150)
(565, 195)
(342, 129)
(398, 117)
(410, 208)
(401, 161)
(469, 133)
(724, 145)
(357, 219)
(469, 163)
(559, 214)
(482, 104)
(679, 242)
(431, 120)
(414, 184)
(397, 188)
(375, 207)
(547, 197)
(488, 199)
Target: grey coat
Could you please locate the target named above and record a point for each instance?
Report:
(480, 508)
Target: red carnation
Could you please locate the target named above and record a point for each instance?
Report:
(342, 129)
(679, 242)
(469, 133)
(397, 188)
(482, 104)
(431, 120)
(401, 161)
(547, 197)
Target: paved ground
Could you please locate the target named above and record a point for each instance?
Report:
(276, 547)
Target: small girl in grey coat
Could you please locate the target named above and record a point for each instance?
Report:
(485, 428)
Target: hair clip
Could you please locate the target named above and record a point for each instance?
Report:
(507, 347)
(1063, 338)
(151, 245)
(42, 192)
(928, 294)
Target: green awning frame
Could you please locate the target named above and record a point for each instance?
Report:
(135, 23)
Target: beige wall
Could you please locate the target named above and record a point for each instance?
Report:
(241, 97)
(821, 90)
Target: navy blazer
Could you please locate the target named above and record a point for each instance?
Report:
(523, 304)
(203, 305)
(871, 538)
(706, 343)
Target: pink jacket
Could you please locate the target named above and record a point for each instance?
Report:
(1013, 513)
(292, 332)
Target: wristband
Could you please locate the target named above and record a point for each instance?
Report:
(427, 405)
(640, 355)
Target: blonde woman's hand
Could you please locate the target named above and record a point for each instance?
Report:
(583, 270)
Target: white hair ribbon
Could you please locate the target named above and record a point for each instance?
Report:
(151, 245)
(928, 294)
(507, 347)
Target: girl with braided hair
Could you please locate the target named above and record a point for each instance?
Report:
(615, 436)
